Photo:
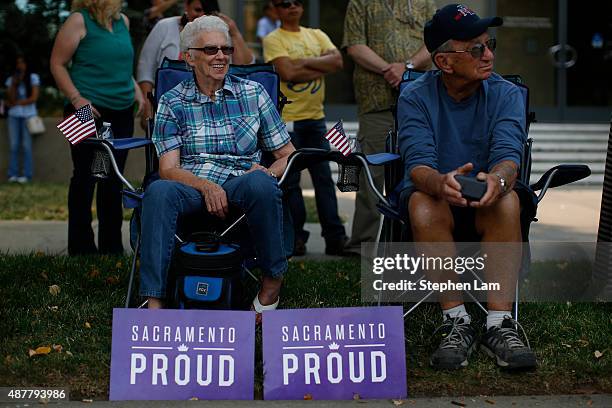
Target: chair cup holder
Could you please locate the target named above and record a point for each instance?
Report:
(348, 177)
(100, 166)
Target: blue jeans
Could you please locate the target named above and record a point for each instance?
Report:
(165, 201)
(310, 133)
(19, 137)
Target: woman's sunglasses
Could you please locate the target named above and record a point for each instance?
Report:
(213, 50)
(478, 50)
(288, 3)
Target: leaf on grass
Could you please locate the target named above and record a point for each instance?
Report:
(43, 275)
(598, 354)
(69, 353)
(566, 345)
(94, 273)
(54, 290)
(87, 400)
(489, 401)
(87, 325)
(58, 348)
(119, 265)
(397, 403)
(307, 397)
(54, 308)
(38, 254)
(39, 351)
(194, 399)
(459, 404)
(302, 266)
(583, 343)
(356, 397)
(589, 402)
(112, 280)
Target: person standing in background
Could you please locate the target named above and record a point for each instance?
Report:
(268, 22)
(383, 37)
(302, 57)
(22, 92)
(95, 39)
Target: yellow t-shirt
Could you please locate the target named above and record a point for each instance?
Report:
(307, 97)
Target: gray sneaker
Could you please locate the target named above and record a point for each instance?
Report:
(506, 347)
(456, 346)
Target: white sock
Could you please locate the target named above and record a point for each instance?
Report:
(496, 317)
(457, 311)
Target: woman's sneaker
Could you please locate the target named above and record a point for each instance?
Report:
(456, 345)
(504, 344)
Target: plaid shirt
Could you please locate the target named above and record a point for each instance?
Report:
(222, 137)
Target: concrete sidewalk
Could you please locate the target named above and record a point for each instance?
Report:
(565, 215)
(545, 401)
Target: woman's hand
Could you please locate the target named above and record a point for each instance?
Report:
(139, 98)
(78, 102)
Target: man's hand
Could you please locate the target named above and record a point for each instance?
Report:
(215, 199)
(493, 192)
(393, 73)
(449, 189)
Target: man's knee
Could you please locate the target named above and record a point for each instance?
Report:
(504, 214)
(426, 212)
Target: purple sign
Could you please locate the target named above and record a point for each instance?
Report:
(334, 353)
(182, 354)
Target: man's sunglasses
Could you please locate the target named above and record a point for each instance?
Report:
(213, 50)
(478, 50)
(288, 3)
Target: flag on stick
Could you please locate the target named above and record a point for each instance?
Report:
(78, 126)
(337, 138)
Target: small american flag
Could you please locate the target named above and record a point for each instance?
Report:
(78, 126)
(337, 138)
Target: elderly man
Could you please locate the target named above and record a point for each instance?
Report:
(209, 134)
(465, 120)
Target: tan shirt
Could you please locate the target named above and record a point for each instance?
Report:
(393, 29)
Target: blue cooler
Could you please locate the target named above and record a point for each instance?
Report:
(207, 273)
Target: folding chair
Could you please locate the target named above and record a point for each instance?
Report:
(169, 75)
(396, 229)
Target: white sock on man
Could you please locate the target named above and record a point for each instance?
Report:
(457, 311)
(496, 317)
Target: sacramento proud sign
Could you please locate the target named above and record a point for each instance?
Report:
(182, 354)
(334, 353)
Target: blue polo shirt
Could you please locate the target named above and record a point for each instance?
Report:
(436, 131)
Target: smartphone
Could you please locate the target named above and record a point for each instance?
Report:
(472, 189)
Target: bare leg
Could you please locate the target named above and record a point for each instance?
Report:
(500, 223)
(432, 222)
(155, 303)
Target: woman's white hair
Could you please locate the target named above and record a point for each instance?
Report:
(204, 24)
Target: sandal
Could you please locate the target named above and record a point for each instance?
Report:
(258, 307)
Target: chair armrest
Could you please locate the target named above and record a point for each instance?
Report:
(378, 159)
(559, 176)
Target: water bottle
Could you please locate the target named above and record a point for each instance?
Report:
(106, 132)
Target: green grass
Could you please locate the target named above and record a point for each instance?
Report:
(564, 336)
(49, 202)
(38, 201)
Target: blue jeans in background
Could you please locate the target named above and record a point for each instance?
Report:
(19, 137)
(256, 194)
(310, 133)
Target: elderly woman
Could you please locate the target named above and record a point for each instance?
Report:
(209, 134)
(92, 63)
(163, 41)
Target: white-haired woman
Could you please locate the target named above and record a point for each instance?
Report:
(164, 42)
(95, 41)
(209, 133)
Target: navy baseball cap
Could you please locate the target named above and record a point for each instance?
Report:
(456, 22)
